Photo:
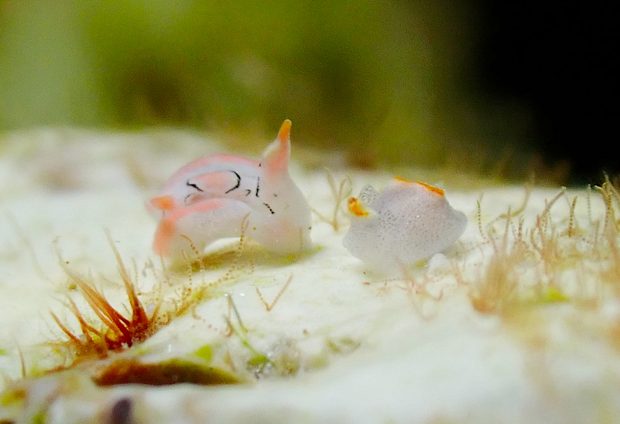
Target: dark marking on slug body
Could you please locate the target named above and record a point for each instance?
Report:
(189, 184)
(236, 185)
(257, 186)
(269, 207)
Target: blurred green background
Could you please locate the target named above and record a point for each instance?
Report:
(387, 82)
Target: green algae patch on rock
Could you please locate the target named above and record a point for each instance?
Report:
(174, 371)
(204, 352)
(12, 397)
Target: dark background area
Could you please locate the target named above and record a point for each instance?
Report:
(557, 59)
(503, 89)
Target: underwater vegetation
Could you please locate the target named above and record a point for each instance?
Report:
(117, 331)
(574, 259)
(163, 373)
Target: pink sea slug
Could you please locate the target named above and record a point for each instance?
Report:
(212, 197)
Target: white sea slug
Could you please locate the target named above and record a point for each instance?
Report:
(404, 223)
(212, 197)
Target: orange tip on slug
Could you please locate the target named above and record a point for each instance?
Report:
(403, 180)
(285, 131)
(164, 203)
(356, 207)
(438, 191)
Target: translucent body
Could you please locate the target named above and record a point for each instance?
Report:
(214, 196)
(404, 223)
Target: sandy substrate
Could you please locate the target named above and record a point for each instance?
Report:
(519, 321)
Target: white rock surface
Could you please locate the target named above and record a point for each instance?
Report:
(362, 349)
